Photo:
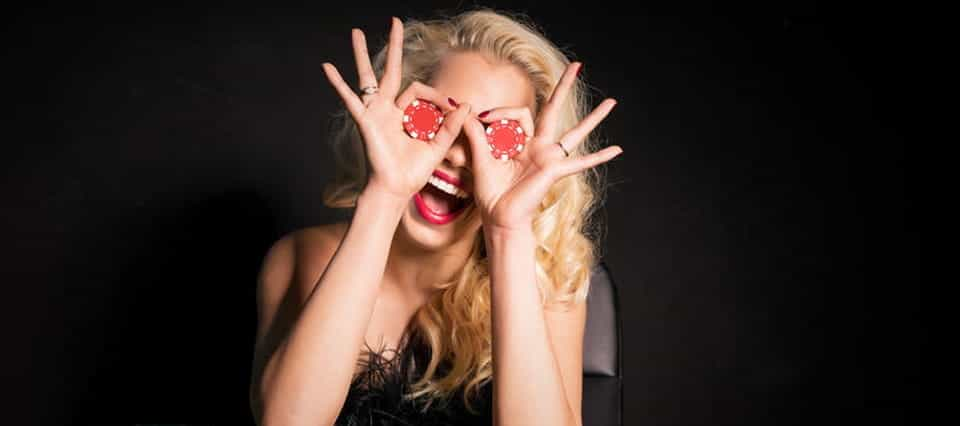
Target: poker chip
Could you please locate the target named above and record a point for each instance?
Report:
(422, 119)
(506, 138)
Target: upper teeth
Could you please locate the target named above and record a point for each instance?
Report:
(447, 187)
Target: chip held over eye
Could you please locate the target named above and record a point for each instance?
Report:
(506, 138)
(422, 119)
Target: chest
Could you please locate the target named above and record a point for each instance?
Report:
(386, 329)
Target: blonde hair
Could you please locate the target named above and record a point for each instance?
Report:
(456, 321)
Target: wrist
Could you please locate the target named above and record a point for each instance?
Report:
(505, 220)
(512, 225)
(496, 235)
(382, 201)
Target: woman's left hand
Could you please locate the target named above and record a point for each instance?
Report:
(508, 192)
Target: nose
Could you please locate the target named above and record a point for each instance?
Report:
(458, 154)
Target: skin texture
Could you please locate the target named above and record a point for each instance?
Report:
(384, 260)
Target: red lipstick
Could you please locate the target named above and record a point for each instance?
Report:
(434, 217)
(447, 178)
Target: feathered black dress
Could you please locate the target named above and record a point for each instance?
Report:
(375, 396)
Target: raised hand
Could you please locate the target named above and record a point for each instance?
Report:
(507, 192)
(400, 165)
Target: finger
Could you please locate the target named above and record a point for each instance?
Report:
(521, 114)
(451, 127)
(418, 90)
(479, 147)
(362, 57)
(350, 99)
(552, 108)
(572, 138)
(573, 165)
(390, 84)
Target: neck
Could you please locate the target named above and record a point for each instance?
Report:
(415, 272)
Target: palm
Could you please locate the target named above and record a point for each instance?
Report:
(396, 157)
(509, 192)
(400, 165)
(512, 190)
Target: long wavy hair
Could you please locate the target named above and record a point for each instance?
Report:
(455, 322)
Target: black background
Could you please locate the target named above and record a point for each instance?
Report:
(153, 154)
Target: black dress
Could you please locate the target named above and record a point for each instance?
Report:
(375, 396)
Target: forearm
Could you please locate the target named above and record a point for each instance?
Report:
(528, 387)
(307, 379)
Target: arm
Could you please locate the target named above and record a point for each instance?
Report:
(531, 384)
(305, 381)
(537, 354)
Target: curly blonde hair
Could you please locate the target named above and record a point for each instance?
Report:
(455, 322)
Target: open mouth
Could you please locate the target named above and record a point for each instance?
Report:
(440, 201)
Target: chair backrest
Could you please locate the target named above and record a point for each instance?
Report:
(602, 375)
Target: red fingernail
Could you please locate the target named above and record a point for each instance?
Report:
(483, 114)
(452, 102)
(580, 69)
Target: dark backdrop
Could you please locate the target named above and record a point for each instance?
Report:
(153, 155)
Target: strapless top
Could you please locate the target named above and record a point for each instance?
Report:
(376, 398)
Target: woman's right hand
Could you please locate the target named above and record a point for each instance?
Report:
(400, 165)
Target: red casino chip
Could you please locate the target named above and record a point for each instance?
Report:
(506, 138)
(422, 119)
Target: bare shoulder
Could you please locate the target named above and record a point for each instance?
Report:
(320, 239)
(308, 251)
(291, 268)
(315, 247)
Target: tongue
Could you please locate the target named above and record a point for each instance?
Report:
(438, 201)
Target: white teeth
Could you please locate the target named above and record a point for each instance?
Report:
(447, 187)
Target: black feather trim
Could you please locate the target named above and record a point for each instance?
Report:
(376, 394)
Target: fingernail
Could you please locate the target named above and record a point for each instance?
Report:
(580, 69)
(483, 114)
(452, 102)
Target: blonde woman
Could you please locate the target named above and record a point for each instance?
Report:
(456, 292)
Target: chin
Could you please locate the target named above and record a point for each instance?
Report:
(438, 232)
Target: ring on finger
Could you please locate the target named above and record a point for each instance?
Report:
(369, 90)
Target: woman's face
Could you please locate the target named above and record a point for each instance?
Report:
(465, 77)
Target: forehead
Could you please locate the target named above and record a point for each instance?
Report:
(471, 77)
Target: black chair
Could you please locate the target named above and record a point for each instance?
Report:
(602, 373)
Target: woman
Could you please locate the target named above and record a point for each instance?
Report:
(472, 271)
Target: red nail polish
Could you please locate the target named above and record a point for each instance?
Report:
(580, 69)
(452, 102)
(483, 114)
